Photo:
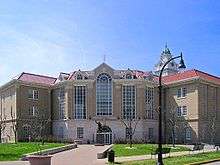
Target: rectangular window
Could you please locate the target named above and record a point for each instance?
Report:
(128, 132)
(181, 92)
(33, 111)
(33, 94)
(62, 103)
(184, 92)
(129, 101)
(149, 101)
(188, 134)
(184, 111)
(79, 132)
(80, 102)
(30, 94)
(150, 133)
(181, 111)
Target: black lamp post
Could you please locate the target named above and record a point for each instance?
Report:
(181, 66)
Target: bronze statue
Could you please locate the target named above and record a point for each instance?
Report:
(99, 126)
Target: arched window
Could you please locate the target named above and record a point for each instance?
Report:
(104, 95)
(128, 76)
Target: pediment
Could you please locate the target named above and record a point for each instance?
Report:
(104, 68)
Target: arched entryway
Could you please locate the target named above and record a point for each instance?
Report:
(104, 136)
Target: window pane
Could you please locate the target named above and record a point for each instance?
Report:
(104, 95)
(128, 101)
(80, 102)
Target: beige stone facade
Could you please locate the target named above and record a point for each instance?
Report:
(70, 106)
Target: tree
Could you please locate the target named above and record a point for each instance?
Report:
(14, 125)
(130, 124)
(37, 126)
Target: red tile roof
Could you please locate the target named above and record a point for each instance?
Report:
(34, 78)
(189, 74)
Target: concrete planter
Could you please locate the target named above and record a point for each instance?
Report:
(40, 159)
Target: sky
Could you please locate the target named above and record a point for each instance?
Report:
(52, 36)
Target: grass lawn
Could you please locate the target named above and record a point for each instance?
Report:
(140, 149)
(13, 151)
(181, 160)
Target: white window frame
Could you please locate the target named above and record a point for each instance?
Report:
(184, 111)
(35, 94)
(32, 93)
(149, 102)
(62, 103)
(99, 107)
(181, 92)
(125, 100)
(78, 109)
(181, 111)
(33, 111)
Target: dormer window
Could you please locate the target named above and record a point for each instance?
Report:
(79, 77)
(128, 76)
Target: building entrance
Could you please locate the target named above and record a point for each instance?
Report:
(104, 135)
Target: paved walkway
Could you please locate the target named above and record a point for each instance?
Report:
(83, 155)
(87, 155)
(172, 154)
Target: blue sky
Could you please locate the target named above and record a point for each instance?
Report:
(50, 36)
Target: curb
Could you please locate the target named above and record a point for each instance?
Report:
(50, 151)
(103, 155)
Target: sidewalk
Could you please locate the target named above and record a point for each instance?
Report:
(172, 154)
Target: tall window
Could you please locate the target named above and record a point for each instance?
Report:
(149, 96)
(181, 92)
(62, 103)
(104, 95)
(129, 100)
(79, 132)
(188, 134)
(80, 102)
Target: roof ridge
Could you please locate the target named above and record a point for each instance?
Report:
(207, 73)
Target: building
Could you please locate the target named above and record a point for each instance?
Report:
(72, 106)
